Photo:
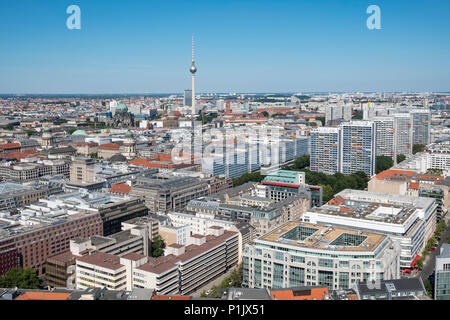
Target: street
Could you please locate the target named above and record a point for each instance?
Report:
(430, 261)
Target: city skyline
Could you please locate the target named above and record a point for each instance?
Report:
(241, 47)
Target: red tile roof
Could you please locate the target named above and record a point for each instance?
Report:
(109, 146)
(306, 294)
(29, 295)
(10, 146)
(121, 188)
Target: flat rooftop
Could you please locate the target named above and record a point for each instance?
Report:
(323, 237)
(382, 207)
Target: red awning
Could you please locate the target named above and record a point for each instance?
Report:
(407, 271)
(413, 263)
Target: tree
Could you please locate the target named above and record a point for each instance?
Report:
(203, 294)
(419, 262)
(20, 278)
(265, 114)
(428, 287)
(72, 130)
(383, 163)
(400, 158)
(30, 132)
(158, 246)
(214, 292)
(9, 126)
(247, 177)
(225, 284)
(302, 162)
(357, 116)
(418, 148)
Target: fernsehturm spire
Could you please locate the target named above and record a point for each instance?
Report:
(193, 71)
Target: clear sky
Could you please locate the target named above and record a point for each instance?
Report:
(144, 46)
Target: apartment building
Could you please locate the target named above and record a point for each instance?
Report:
(358, 147)
(303, 254)
(325, 146)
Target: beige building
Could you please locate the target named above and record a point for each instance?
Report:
(82, 171)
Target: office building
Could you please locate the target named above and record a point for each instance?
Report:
(171, 194)
(408, 220)
(442, 274)
(302, 254)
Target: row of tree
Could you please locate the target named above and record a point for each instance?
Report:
(234, 281)
(247, 177)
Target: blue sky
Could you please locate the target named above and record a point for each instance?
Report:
(144, 46)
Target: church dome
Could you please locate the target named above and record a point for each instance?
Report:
(121, 107)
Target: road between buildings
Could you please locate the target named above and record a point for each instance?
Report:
(215, 282)
(430, 260)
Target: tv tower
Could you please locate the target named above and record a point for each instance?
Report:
(193, 70)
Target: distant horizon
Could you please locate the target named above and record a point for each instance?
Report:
(220, 93)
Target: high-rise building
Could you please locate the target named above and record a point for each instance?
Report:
(188, 98)
(403, 134)
(385, 136)
(357, 151)
(421, 121)
(325, 143)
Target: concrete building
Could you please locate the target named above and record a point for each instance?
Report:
(183, 270)
(358, 147)
(171, 194)
(325, 146)
(82, 171)
(302, 254)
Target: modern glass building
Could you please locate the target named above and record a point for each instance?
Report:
(442, 275)
(302, 254)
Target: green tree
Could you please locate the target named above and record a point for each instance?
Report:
(158, 246)
(418, 148)
(72, 131)
(400, 158)
(358, 115)
(9, 126)
(20, 278)
(302, 162)
(265, 114)
(383, 163)
(247, 177)
(30, 132)
(225, 284)
(428, 287)
(214, 292)
(203, 294)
